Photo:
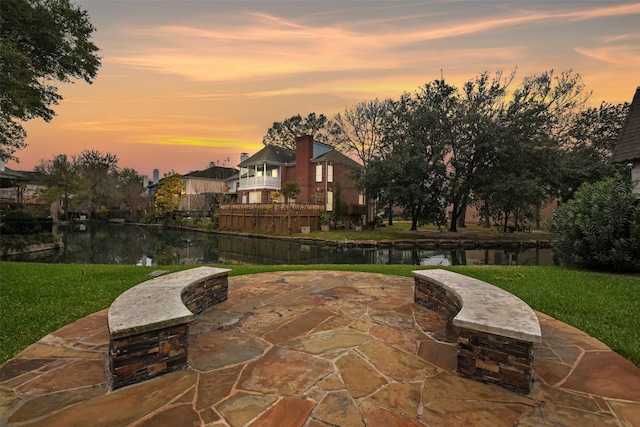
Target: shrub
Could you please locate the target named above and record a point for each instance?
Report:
(21, 241)
(599, 228)
(20, 221)
(102, 213)
(148, 219)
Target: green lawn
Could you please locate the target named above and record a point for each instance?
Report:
(401, 231)
(36, 299)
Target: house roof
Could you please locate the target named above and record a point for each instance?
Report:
(234, 176)
(334, 156)
(214, 172)
(271, 154)
(628, 145)
(9, 177)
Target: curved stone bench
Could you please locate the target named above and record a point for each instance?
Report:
(149, 323)
(496, 330)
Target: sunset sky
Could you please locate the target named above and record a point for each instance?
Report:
(183, 83)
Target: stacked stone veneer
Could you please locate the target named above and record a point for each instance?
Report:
(149, 323)
(496, 330)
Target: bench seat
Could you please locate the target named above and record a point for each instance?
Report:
(496, 330)
(149, 323)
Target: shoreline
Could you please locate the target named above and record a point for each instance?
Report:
(445, 240)
(421, 239)
(29, 249)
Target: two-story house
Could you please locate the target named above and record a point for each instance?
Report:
(207, 188)
(321, 172)
(203, 189)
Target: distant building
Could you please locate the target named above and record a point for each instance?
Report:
(207, 188)
(627, 148)
(204, 189)
(21, 188)
(321, 172)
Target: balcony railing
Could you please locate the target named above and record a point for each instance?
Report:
(260, 182)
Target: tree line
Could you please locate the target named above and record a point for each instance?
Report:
(91, 183)
(502, 147)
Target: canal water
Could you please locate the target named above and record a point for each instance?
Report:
(98, 243)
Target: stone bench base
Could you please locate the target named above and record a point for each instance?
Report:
(139, 357)
(496, 330)
(149, 323)
(495, 359)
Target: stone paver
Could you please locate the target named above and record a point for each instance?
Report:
(317, 349)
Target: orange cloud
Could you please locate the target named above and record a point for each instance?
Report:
(258, 45)
(625, 56)
(199, 141)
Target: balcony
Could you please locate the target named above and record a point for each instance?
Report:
(259, 183)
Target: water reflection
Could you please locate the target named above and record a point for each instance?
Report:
(129, 244)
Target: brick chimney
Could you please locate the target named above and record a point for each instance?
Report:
(305, 172)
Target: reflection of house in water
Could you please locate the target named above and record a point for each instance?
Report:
(263, 251)
(145, 261)
(436, 260)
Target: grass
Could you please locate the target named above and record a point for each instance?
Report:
(401, 231)
(36, 299)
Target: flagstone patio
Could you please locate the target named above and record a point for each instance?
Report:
(317, 348)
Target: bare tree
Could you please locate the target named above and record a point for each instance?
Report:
(362, 129)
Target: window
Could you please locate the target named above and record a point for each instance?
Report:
(361, 199)
(329, 173)
(319, 172)
(274, 172)
(330, 200)
(255, 197)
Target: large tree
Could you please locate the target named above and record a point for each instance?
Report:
(473, 136)
(42, 42)
(59, 180)
(362, 129)
(362, 133)
(131, 192)
(412, 173)
(284, 134)
(586, 148)
(98, 176)
(509, 140)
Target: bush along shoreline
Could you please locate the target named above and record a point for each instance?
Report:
(17, 244)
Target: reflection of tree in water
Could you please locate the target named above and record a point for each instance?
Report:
(166, 255)
(103, 243)
(172, 247)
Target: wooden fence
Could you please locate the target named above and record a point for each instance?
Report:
(273, 218)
